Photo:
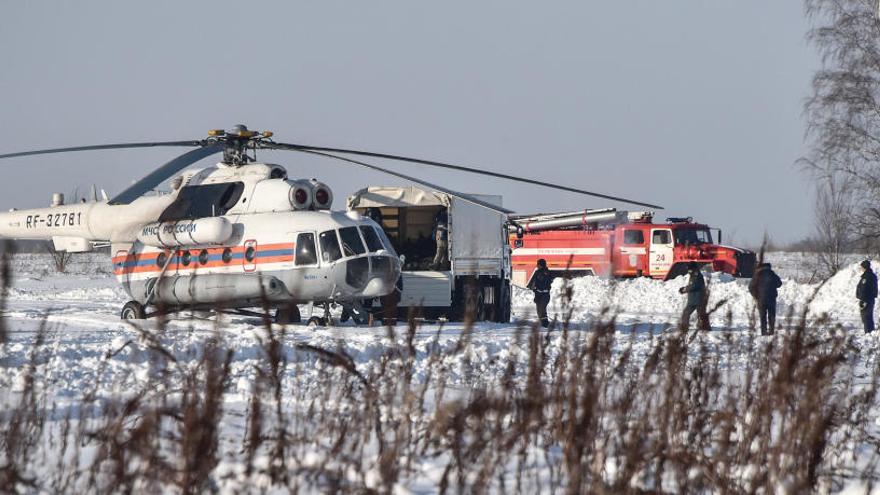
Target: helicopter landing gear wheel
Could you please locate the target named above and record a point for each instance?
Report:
(317, 321)
(290, 314)
(133, 310)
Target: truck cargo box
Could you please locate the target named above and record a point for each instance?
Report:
(478, 251)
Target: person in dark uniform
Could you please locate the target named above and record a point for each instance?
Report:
(374, 214)
(441, 239)
(697, 298)
(540, 285)
(763, 288)
(866, 292)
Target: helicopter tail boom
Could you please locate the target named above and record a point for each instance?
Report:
(72, 226)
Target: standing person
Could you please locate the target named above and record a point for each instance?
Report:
(697, 298)
(540, 285)
(866, 292)
(441, 239)
(763, 288)
(374, 214)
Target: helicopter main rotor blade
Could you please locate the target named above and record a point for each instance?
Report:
(162, 173)
(300, 147)
(102, 147)
(462, 196)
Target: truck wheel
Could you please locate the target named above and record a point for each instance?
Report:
(490, 310)
(283, 316)
(480, 305)
(503, 303)
(133, 310)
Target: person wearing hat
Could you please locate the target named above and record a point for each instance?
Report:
(866, 292)
(763, 287)
(697, 298)
(540, 285)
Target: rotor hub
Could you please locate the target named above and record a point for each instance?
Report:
(240, 143)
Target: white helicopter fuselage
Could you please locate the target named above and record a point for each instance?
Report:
(274, 257)
(233, 236)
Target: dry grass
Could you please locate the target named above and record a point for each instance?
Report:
(573, 411)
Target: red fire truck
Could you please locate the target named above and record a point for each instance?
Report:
(619, 244)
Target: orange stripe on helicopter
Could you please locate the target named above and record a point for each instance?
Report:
(148, 262)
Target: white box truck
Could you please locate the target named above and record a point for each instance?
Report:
(475, 280)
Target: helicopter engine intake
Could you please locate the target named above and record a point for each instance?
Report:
(323, 195)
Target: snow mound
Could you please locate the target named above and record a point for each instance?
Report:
(655, 301)
(837, 297)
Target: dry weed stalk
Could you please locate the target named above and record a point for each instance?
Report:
(573, 409)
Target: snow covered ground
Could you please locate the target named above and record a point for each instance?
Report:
(89, 347)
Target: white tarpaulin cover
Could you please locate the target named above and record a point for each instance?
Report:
(476, 235)
(379, 196)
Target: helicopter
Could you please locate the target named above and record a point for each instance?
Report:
(236, 235)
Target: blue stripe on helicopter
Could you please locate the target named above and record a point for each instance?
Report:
(213, 257)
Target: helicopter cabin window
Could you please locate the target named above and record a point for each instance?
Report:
(209, 200)
(661, 237)
(372, 239)
(227, 255)
(306, 254)
(250, 253)
(633, 237)
(330, 250)
(187, 257)
(161, 260)
(351, 241)
(203, 257)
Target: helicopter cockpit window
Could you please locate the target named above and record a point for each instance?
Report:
(351, 241)
(373, 242)
(306, 254)
(385, 240)
(330, 250)
(209, 200)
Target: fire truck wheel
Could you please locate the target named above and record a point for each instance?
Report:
(287, 315)
(133, 310)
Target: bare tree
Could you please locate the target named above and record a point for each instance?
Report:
(59, 258)
(834, 208)
(843, 115)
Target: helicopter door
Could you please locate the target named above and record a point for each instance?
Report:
(249, 260)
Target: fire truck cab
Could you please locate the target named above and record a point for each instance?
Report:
(619, 244)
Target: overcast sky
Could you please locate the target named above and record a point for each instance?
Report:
(696, 106)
